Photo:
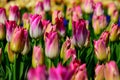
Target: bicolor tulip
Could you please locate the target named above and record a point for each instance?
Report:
(38, 73)
(2, 31)
(39, 7)
(14, 14)
(99, 72)
(114, 32)
(37, 56)
(111, 71)
(3, 16)
(10, 27)
(17, 40)
(36, 26)
(46, 4)
(111, 8)
(101, 50)
(51, 44)
(105, 36)
(80, 33)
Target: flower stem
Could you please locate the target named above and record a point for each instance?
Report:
(14, 69)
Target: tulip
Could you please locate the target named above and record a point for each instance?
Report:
(14, 14)
(60, 26)
(81, 73)
(36, 27)
(26, 21)
(39, 7)
(67, 50)
(38, 73)
(114, 32)
(10, 27)
(11, 54)
(17, 40)
(37, 56)
(111, 71)
(98, 9)
(114, 16)
(56, 14)
(69, 13)
(47, 5)
(2, 32)
(51, 44)
(99, 23)
(60, 73)
(27, 47)
(105, 36)
(80, 33)
(101, 50)
(111, 8)
(88, 6)
(99, 72)
(3, 17)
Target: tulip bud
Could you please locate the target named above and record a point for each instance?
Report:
(3, 17)
(10, 27)
(26, 21)
(98, 9)
(105, 36)
(111, 71)
(88, 6)
(36, 27)
(114, 16)
(80, 33)
(99, 72)
(60, 26)
(11, 54)
(17, 40)
(99, 23)
(101, 50)
(2, 32)
(27, 47)
(51, 44)
(37, 56)
(46, 4)
(69, 13)
(114, 32)
(111, 8)
(81, 73)
(14, 14)
(38, 73)
(39, 7)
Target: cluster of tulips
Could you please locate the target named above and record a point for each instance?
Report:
(60, 40)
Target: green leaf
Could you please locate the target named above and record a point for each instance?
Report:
(21, 70)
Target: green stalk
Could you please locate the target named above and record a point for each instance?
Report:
(14, 69)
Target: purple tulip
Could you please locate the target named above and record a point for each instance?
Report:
(36, 27)
(10, 27)
(14, 13)
(101, 50)
(51, 44)
(99, 72)
(60, 73)
(17, 40)
(3, 17)
(111, 71)
(2, 31)
(80, 33)
(38, 73)
(37, 56)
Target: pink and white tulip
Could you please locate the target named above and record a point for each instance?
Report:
(3, 16)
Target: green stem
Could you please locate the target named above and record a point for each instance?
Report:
(14, 70)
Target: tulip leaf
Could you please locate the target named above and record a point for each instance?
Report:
(2, 73)
(21, 70)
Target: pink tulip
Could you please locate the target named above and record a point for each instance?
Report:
(114, 32)
(51, 44)
(17, 40)
(101, 50)
(10, 27)
(111, 8)
(39, 7)
(37, 56)
(98, 11)
(14, 13)
(80, 33)
(47, 5)
(2, 31)
(38, 73)
(3, 16)
(36, 26)
(111, 71)
(105, 36)
(99, 72)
